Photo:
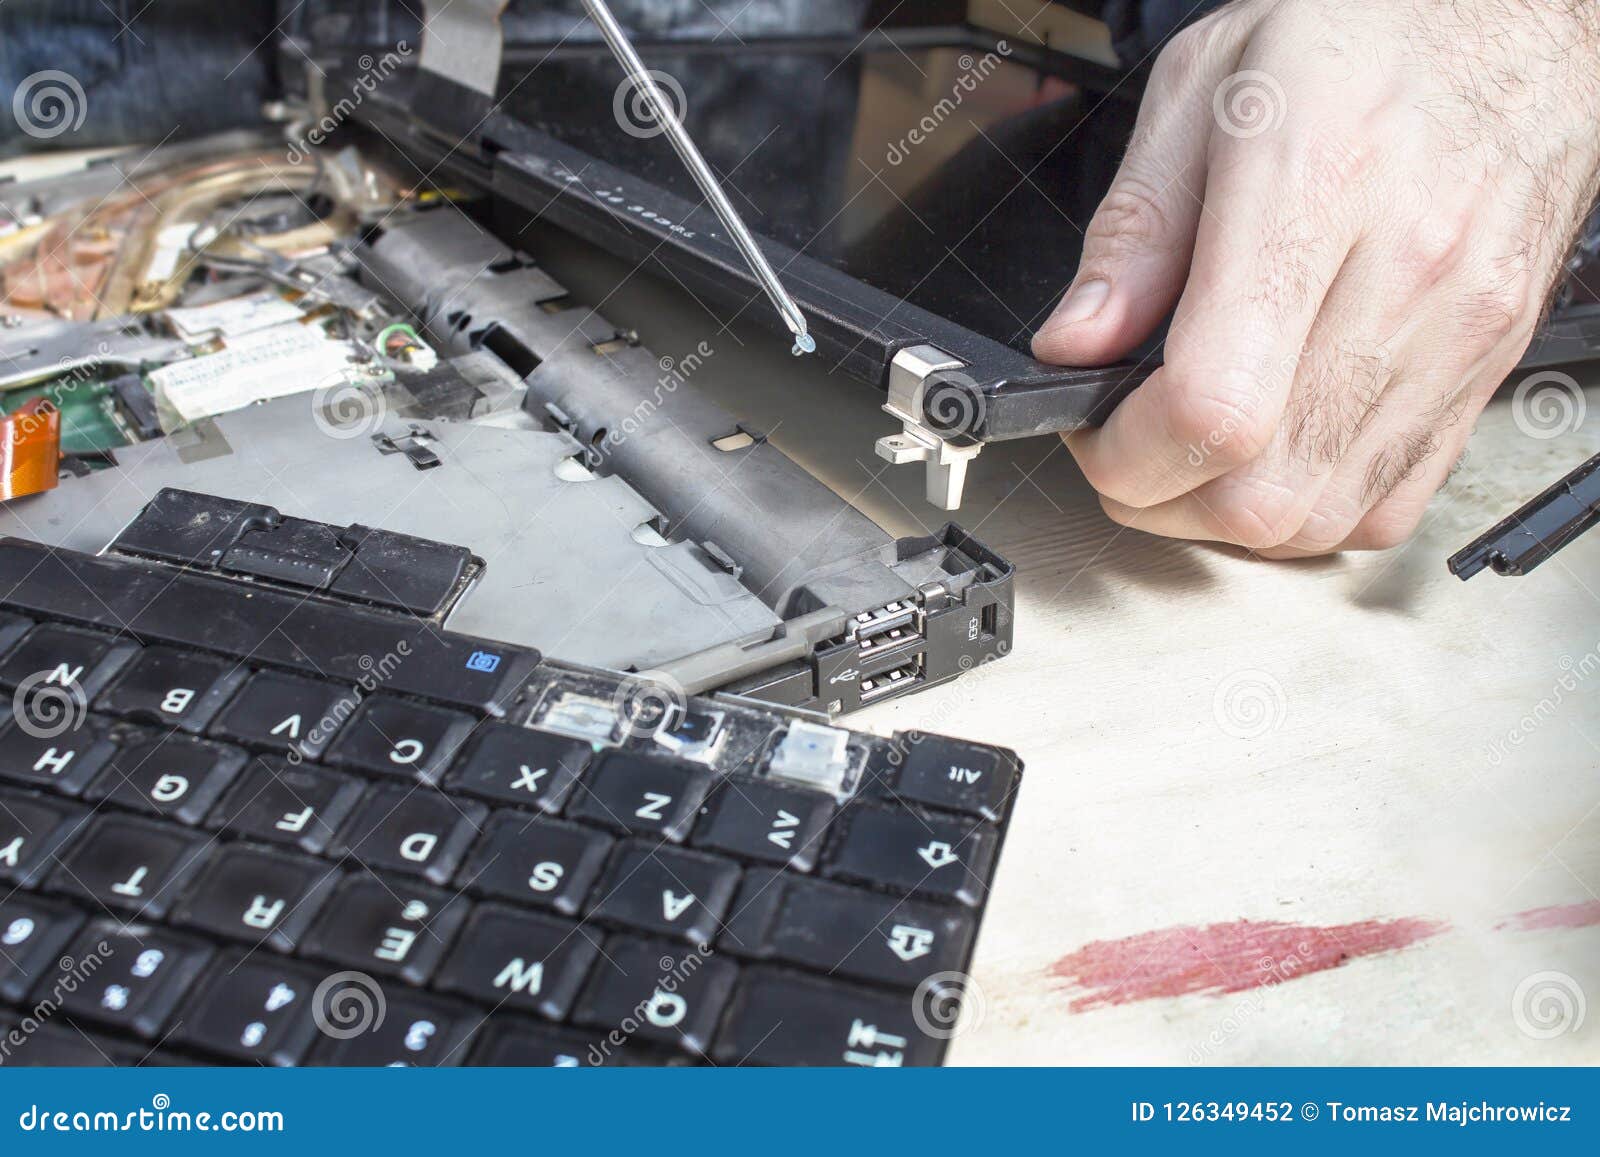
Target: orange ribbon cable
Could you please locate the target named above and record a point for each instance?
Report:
(31, 442)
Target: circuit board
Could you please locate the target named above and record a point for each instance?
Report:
(89, 422)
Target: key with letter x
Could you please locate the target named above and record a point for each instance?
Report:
(506, 764)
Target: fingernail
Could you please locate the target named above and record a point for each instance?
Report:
(1082, 302)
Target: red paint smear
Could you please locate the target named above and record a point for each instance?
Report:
(1220, 958)
(1560, 916)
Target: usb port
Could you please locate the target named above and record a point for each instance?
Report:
(892, 680)
(888, 626)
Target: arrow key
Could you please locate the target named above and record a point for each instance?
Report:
(666, 890)
(941, 857)
(846, 932)
(780, 1018)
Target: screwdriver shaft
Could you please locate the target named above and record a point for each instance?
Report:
(622, 48)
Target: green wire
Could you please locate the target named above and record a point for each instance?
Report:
(381, 341)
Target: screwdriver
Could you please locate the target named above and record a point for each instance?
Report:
(622, 48)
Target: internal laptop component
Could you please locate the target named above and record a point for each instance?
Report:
(196, 280)
(354, 354)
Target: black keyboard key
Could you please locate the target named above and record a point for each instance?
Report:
(392, 927)
(285, 714)
(33, 830)
(63, 1046)
(254, 1009)
(172, 776)
(847, 932)
(258, 895)
(778, 1018)
(177, 688)
(279, 803)
(506, 764)
(633, 793)
(936, 856)
(130, 864)
(63, 759)
(962, 777)
(32, 934)
(536, 861)
(415, 1030)
(139, 975)
(394, 737)
(517, 1042)
(65, 660)
(765, 821)
(673, 995)
(666, 890)
(411, 829)
(397, 570)
(519, 960)
(12, 628)
(270, 627)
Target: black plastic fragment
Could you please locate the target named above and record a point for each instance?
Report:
(1535, 532)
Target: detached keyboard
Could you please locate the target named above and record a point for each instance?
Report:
(240, 823)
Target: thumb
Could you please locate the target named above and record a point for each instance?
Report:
(1137, 249)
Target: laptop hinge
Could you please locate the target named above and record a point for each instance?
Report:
(944, 455)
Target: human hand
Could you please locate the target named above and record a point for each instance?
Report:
(1359, 208)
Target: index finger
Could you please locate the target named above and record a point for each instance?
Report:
(1270, 243)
